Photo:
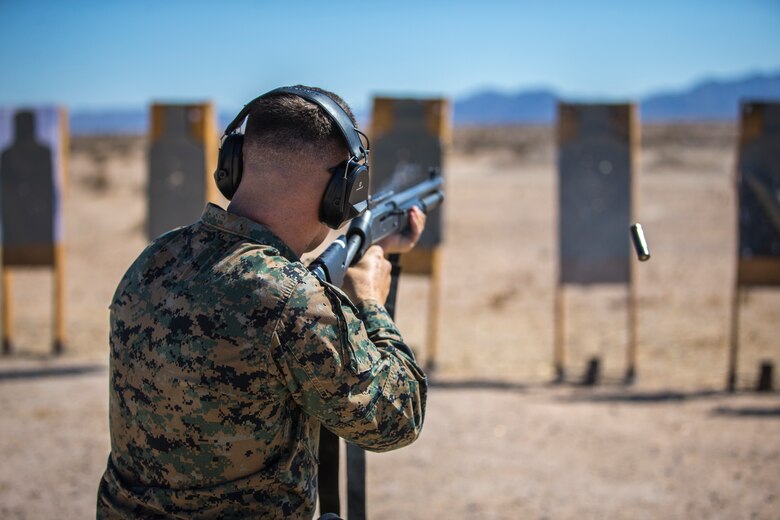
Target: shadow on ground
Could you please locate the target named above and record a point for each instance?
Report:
(10, 374)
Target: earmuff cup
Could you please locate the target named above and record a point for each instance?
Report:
(230, 165)
(346, 194)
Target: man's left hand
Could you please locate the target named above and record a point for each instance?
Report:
(404, 241)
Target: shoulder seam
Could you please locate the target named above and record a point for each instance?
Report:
(230, 231)
(287, 298)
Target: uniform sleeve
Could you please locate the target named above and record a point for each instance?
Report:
(346, 365)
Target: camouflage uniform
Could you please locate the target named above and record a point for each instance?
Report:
(226, 355)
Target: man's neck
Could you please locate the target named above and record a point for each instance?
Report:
(289, 231)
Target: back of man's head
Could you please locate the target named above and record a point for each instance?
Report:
(284, 125)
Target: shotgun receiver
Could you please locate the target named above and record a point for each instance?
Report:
(387, 213)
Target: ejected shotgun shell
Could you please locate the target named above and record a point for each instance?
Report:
(640, 244)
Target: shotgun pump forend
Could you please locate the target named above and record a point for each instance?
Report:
(387, 213)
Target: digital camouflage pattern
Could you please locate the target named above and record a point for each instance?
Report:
(226, 355)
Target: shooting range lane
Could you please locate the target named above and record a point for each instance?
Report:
(541, 452)
(498, 281)
(562, 453)
(58, 440)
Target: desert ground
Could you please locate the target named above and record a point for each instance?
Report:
(500, 440)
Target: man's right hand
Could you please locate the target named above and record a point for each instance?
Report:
(369, 279)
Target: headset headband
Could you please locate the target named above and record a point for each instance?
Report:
(356, 149)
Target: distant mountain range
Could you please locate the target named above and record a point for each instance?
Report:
(705, 101)
(710, 100)
(124, 121)
(107, 121)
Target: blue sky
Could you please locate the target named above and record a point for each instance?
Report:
(125, 54)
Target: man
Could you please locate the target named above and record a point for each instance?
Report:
(227, 354)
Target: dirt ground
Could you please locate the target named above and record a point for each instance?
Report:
(500, 441)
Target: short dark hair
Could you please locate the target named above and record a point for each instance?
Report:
(289, 122)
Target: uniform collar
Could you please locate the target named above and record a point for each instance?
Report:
(217, 217)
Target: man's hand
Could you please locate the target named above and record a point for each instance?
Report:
(369, 279)
(404, 242)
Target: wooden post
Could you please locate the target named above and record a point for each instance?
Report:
(59, 248)
(731, 377)
(8, 316)
(59, 299)
(428, 262)
(631, 352)
(210, 140)
(559, 334)
(434, 310)
(733, 347)
(634, 140)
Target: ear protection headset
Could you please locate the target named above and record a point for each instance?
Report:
(346, 195)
